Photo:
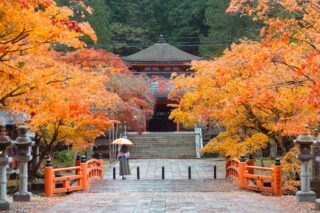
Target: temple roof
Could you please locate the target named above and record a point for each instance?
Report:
(161, 52)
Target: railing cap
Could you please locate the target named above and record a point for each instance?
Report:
(83, 159)
(48, 163)
(99, 156)
(278, 163)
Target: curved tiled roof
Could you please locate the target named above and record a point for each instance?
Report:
(161, 52)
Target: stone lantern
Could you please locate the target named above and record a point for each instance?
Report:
(315, 184)
(305, 155)
(23, 145)
(318, 161)
(5, 141)
(315, 171)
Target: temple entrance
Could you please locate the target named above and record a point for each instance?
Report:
(160, 121)
(160, 59)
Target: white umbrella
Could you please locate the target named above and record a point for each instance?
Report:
(122, 141)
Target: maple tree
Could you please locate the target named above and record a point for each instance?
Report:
(27, 30)
(66, 111)
(134, 102)
(258, 91)
(60, 97)
(98, 90)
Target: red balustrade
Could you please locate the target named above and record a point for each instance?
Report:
(81, 177)
(245, 173)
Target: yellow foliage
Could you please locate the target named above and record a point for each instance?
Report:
(269, 87)
(232, 145)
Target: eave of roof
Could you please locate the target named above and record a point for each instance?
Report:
(161, 52)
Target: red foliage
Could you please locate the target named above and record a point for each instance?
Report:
(97, 58)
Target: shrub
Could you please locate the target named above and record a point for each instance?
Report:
(63, 159)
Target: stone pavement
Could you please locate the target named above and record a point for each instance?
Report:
(169, 202)
(174, 169)
(173, 195)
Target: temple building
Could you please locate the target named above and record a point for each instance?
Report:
(160, 59)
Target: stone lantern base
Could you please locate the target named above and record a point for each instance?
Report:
(315, 186)
(24, 197)
(5, 205)
(306, 196)
(317, 204)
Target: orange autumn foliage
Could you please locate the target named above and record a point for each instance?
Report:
(59, 96)
(259, 91)
(134, 102)
(66, 96)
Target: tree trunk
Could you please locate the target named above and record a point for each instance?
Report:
(277, 139)
(261, 158)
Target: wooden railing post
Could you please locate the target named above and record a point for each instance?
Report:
(77, 163)
(101, 166)
(250, 162)
(242, 169)
(277, 178)
(48, 176)
(78, 160)
(227, 165)
(83, 166)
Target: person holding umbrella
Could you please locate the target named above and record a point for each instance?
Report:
(123, 156)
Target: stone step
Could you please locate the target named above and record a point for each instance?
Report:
(152, 145)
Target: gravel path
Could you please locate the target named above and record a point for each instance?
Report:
(37, 204)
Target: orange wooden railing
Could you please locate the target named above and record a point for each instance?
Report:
(245, 174)
(82, 175)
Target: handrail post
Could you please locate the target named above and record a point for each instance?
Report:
(250, 162)
(48, 176)
(227, 165)
(83, 166)
(77, 163)
(242, 168)
(101, 165)
(78, 160)
(277, 178)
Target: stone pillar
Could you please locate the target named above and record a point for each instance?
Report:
(178, 127)
(305, 194)
(4, 160)
(198, 141)
(315, 168)
(318, 200)
(23, 144)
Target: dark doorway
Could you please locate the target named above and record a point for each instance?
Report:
(160, 121)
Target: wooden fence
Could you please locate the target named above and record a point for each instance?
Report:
(255, 178)
(73, 178)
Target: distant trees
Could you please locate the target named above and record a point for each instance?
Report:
(137, 24)
(199, 27)
(225, 28)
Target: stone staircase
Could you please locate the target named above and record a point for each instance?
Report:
(162, 145)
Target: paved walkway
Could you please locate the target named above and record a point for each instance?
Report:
(174, 169)
(174, 194)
